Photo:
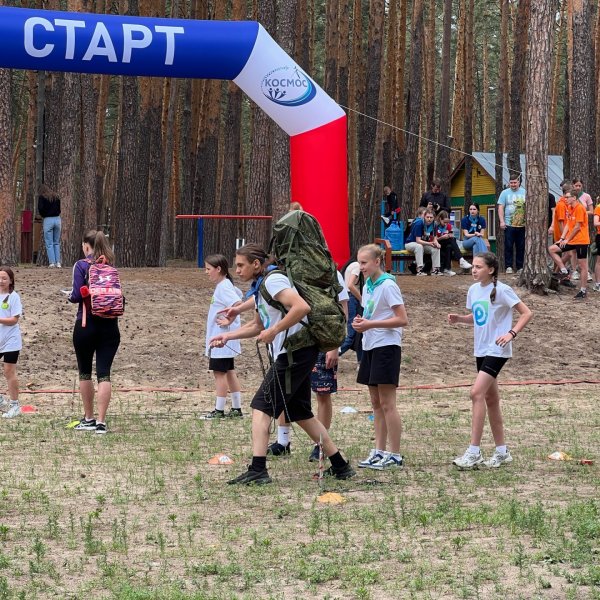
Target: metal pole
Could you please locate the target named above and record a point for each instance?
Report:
(200, 243)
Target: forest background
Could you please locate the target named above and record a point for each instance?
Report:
(424, 83)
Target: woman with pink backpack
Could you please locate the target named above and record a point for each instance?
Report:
(97, 290)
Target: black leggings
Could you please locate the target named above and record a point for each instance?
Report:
(100, 336)
(449, 250)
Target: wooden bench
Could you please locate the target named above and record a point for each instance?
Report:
(395, 257)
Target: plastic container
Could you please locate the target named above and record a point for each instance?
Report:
(395, 235)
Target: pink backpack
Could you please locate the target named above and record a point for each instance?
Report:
(106, 295)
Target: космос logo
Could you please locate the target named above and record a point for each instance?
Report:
(288, 86)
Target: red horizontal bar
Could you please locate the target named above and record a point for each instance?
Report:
(257, 217)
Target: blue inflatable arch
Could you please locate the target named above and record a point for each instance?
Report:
(240, 51)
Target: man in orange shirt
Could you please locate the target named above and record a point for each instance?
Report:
(575, 236)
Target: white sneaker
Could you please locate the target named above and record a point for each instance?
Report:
(509, 271)
(421, 274)
(51, 266)
(449, 273)
(468, 461)
(590, 278)
(13, 411)
(373, 458)
(596, 287)
(575, 276)
(389, 461)
(3, 402)
(58, 266)
(465, 264)
(498, 460)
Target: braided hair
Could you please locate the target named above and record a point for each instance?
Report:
(491, 261)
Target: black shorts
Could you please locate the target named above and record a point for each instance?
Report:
(492, 365)
(10, 358)
(100, 337)
(581, 250)
(221, 365)
(271, 397)
(380, 366)
(322, 379)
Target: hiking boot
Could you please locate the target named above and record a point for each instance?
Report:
(373, 458)
(277, 449)
(465, 264)
(389, 461)
(449, 273)
(314, 455)
(213, 414)
(235, 412)
(101, 428)
(580, 295)
(497, 460)
(13, 411)
(86, 425)
(251, 477)
(509, 271)
(344, 472)
(468, 461)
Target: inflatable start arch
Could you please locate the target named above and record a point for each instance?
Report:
(241, 51)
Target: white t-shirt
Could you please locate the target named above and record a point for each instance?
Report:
(10, 335)
(491, 320)
(269, 316)
(344, 294)
(352, 272)
(225, 294)
(378, 306)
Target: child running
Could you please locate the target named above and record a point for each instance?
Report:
(10, 340)
(221, 360)
(491, 304)
(381, 324)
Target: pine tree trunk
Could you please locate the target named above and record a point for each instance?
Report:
(368, 207)
(430, 83)
(458, 102)
(258, 193)
(517, 87)
(413, 110)
(443, 152)
(469, 109)
(8, 242)
(280, 165)
(500, 122)
(535, 272)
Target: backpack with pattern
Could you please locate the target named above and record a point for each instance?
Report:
(106, 295)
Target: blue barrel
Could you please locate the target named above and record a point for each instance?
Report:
(395, 234)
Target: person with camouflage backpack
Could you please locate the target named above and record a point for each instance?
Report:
(282, 322)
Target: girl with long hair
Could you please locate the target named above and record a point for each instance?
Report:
(49, 210)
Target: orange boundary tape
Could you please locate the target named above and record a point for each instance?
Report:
(433, 386)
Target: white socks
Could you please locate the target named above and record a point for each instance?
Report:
(501, 449)
(474, 449)
(236, 399)
(283, 434)
(220, 403)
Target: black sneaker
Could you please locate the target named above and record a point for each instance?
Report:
(235, 412)
(251, 477)
(277, 449)
(580, 295)
(213, 414)
(86, 425)
(101, 428)
(344, 472)
(567, 283)
(314, 455)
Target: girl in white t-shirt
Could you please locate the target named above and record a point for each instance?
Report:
(491, 304)
(221, 360)
(381, 324)
(10, 340)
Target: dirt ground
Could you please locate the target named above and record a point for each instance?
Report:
(162, 334)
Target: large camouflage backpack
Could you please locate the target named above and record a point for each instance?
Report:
(302, 254)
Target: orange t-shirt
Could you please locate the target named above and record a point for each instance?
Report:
(560, 214)
(575, 215)
(597, 213)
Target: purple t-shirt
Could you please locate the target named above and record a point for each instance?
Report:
(80, 278)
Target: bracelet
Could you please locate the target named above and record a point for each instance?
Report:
(513, 333)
